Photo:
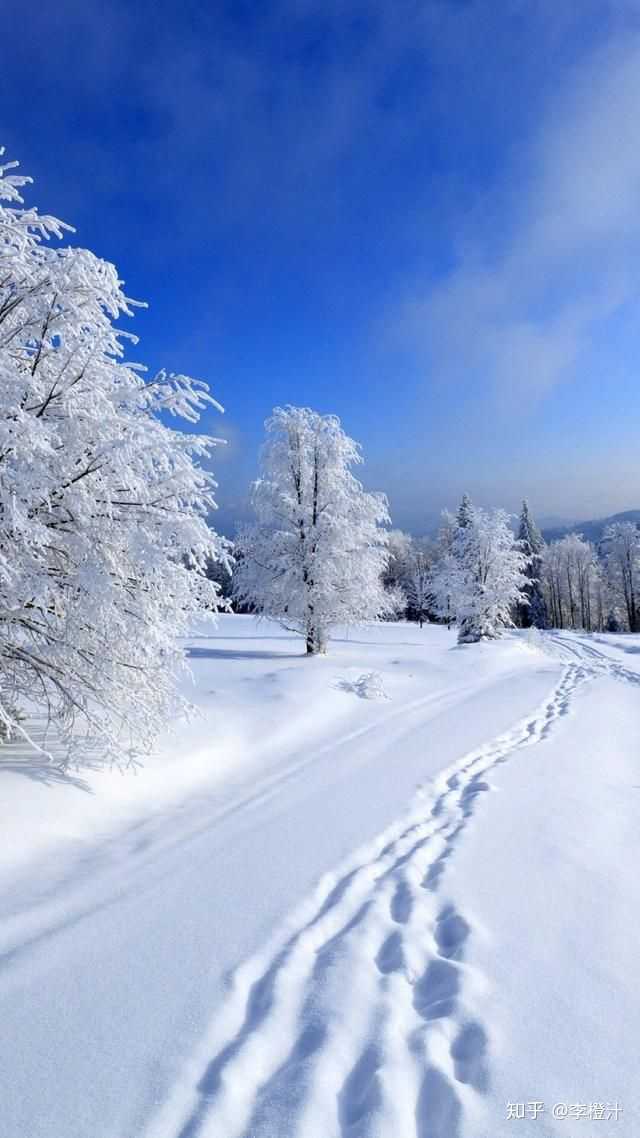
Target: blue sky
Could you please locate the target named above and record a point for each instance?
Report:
(424, 217)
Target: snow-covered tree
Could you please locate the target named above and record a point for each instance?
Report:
(572, 583)
(532, 544)
(99, 499)
(552, 572)
(600, 597)
(417, 581)
(621, 544)
(613, 622)
(464, 517)
(585, 565)
(221, 571)
(483, 577)
(399, 545)
(407, 575)
(443, 568)
(316, 555)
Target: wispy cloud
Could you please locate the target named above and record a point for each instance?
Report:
(554, 247)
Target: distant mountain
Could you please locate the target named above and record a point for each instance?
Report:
(555, 521)
(592, 530)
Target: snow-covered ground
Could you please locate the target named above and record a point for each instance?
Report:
(390, 892)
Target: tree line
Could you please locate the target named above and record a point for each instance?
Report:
(571, 583)
(319, 554)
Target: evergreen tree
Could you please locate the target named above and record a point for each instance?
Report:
(533, 614)
(482, 578)
(417, 581)
(464, 516)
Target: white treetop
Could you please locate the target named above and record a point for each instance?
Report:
(417, 580)
(573, 584)
(532, 544)
(621, 542)
(315, 557)
(100, 500)
(441, 576)
(481, 576)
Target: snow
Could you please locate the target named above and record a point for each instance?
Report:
(559, 914)
(316, 554)
(382, 892)
(102, 504)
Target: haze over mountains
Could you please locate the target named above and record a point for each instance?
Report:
(592, 529)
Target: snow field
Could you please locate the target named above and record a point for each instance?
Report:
(366, 1007)
(206, 955)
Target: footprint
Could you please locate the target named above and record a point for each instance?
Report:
(438, 1111)
(308, 1042)
(286, 1088)
(476, 786)
(259, 1003)
(451, 932)
(434, 995)
(391, 957)
(401, 903)
(468, 1052)
(431, 879)
(360, 1095)
(435, 871)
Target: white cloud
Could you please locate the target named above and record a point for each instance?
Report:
(557, 242)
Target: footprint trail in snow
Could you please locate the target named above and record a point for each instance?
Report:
(359, 1021)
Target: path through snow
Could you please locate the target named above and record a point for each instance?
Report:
(385, 1004)
(332, 1031)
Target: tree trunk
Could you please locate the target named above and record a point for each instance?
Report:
(316, 641)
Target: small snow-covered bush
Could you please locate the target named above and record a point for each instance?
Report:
(369, 685)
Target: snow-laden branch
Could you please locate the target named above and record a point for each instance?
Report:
(315, 557)
(101, 503)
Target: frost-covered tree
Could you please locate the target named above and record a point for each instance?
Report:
(599, 597)
(417, 581)
(552, 571)
(316, 555)
(220, 571)
(621, 544)
(464, 517)
(573, 584)
(613, 622)
(585, 565)
(443, 568)
(399, 546)
(394, 574)
(407, 575)
(446, 531)
(532, 544)
(483, 578)
(100, 500)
